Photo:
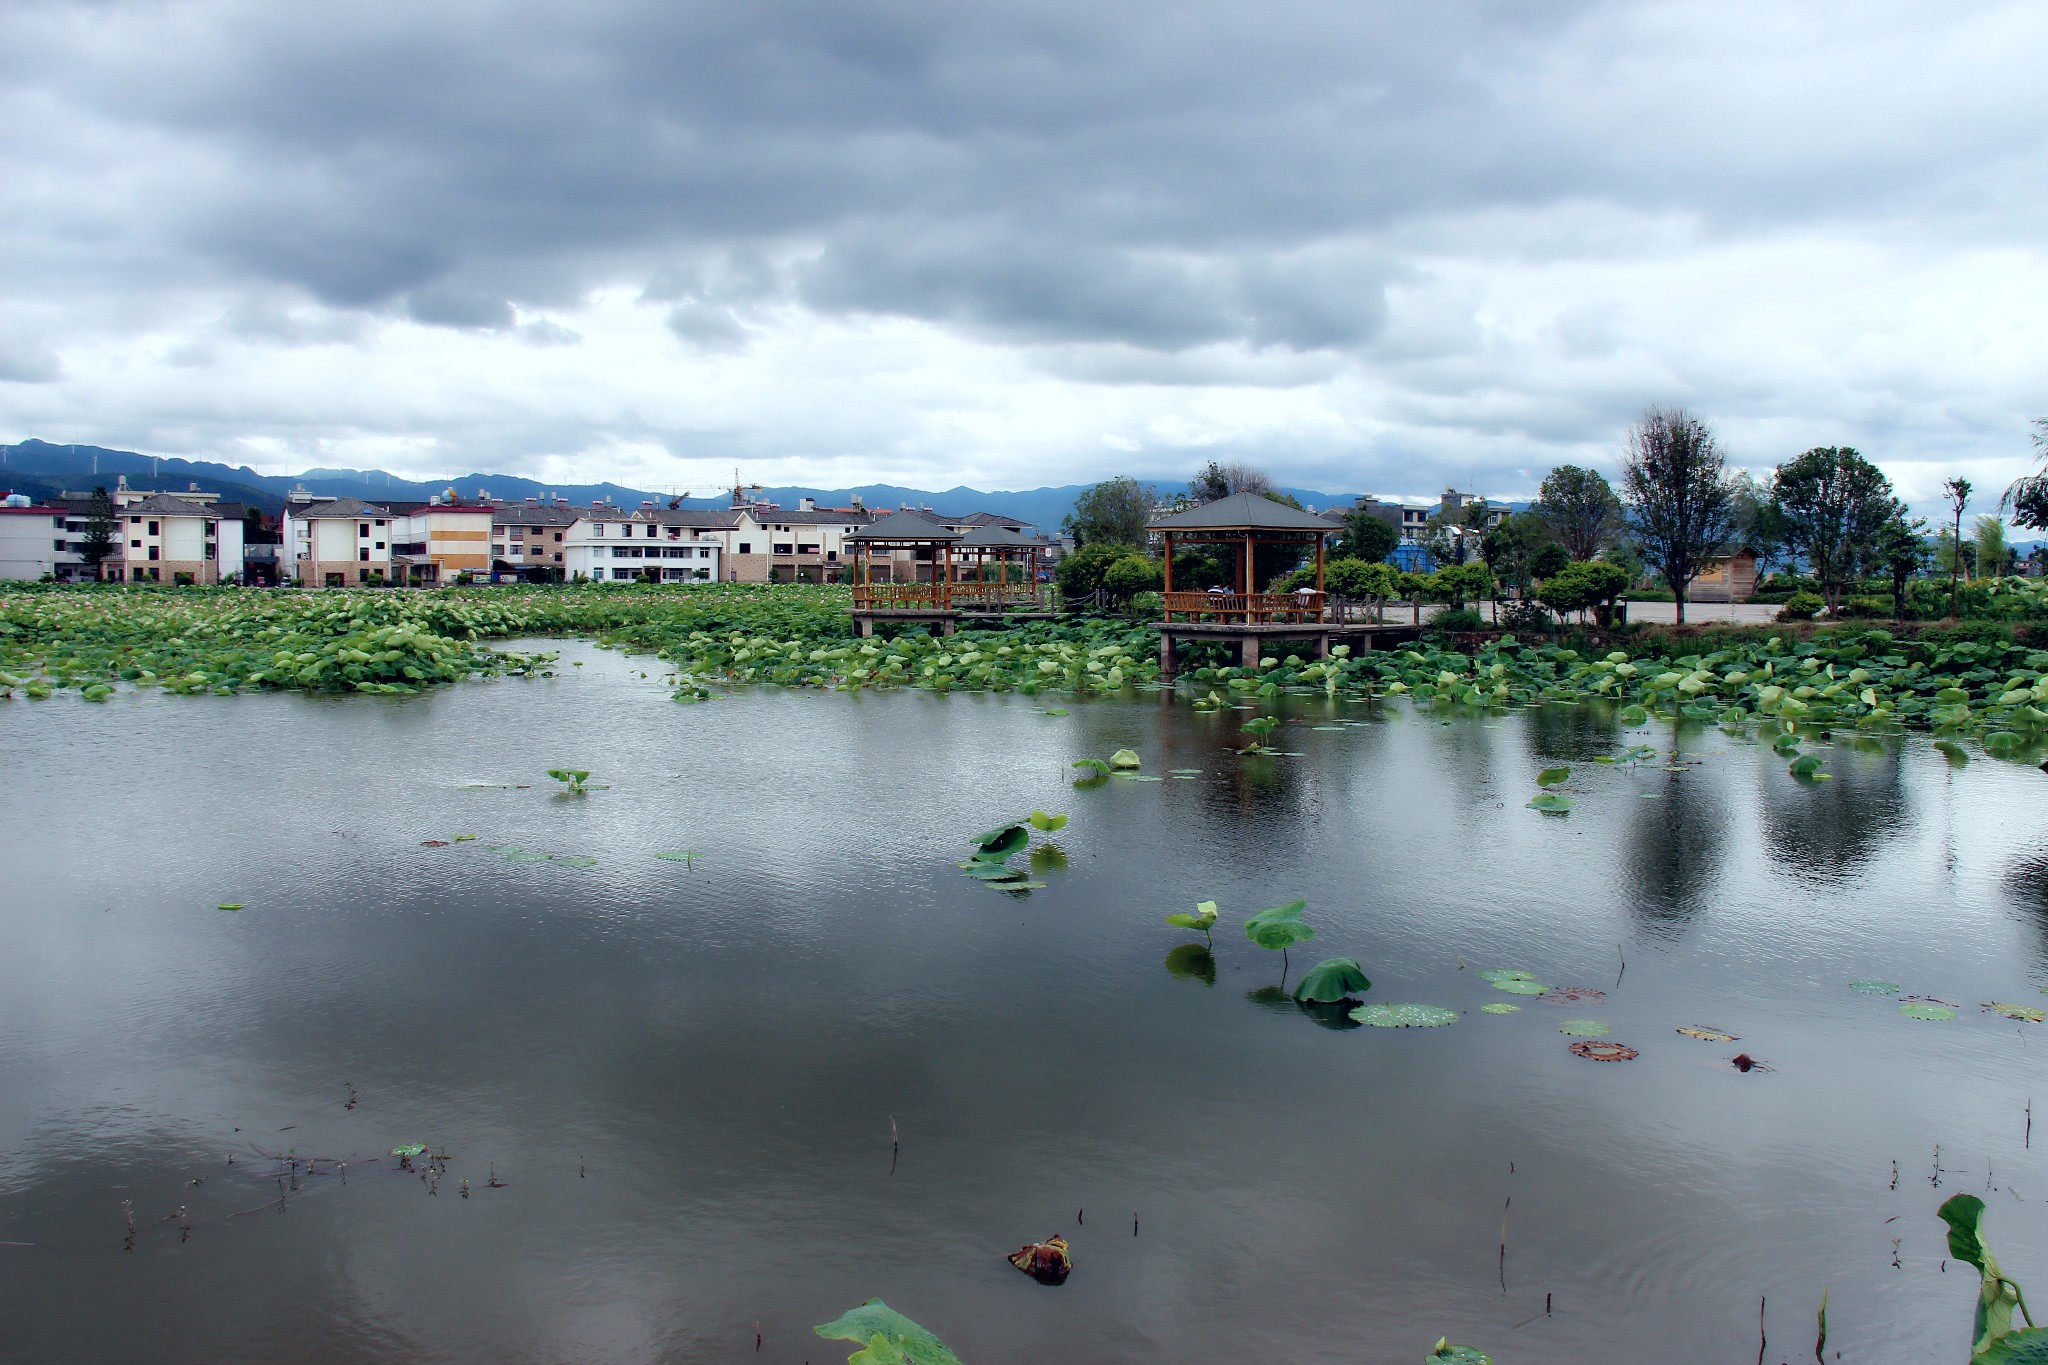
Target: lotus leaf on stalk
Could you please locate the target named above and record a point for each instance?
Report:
(1331, 980)
(888, 1338)
(1202, 921)
(1994, 1339)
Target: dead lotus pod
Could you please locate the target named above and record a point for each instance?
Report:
(1046, 1262)
(1599, 1050)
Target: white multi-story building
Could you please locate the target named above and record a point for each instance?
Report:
(37, 540)
(163, 538)
(335, 542)
(611, 545)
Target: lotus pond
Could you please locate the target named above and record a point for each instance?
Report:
(732, 1024)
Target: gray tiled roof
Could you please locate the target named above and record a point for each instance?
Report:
(995, 536)
(165, 505)
(338, 507)
(1242, 512)
(905, 526)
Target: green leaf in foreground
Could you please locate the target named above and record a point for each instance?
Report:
(1551, 803)
(1003, 840)
(1997, 1296)
(1405, 1016)
(229, 905)
(1930, 1012)
(888, 1337)
(1447, 1354)
(1093, 765)
(1047, 824)
(1279, 926)
(1331, 980)
(1124, 758)
(1552, 777)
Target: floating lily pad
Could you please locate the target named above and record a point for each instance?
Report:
(1604, 1052)
(677, 855)
(888, 1338)
(1574, 995)
(1447, 1354)
(1550, 803)
(1584, 1028)
(1706, 1035)
(1124, 758)
(1551, 777)
(412, 1149)
(229, 905)
(573, 861)
(1518, 986)
(520, 855)
(1405, 1016)
(1497, 974)
(1875, 987)
(1923, 1011)
(1500, 1007)
(2012, 1011)
(465, 838)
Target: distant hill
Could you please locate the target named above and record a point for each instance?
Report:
(42, 468)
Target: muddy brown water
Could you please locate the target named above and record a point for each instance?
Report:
(684, 1074)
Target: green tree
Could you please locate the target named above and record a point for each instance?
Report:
(1758, 522)
(1113, 512)
(1080, 574)
(2028, 497)
(1987, 534)
(1901, 549)
(1957, 491)
(1548, 560)
(1679, 497)
(99, 530)
(1581, 510)
(1221, 480)
(1582, 585)
(1833, 503)
(1510, 549)
(1130, 574)
(1366, 537)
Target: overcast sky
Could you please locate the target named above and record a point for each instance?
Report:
(1369, 246)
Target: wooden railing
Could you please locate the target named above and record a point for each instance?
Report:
(1246, 608)
(995, 594)
(900, 597)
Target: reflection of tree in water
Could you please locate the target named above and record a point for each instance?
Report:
(1675, 846)
(1560, 732)
(2026, 886)
(1829, 830)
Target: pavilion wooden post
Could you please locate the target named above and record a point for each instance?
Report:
(1248, 589)
(1319, 579)
(1169, 567)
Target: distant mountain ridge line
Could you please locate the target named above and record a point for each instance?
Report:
(73, 466)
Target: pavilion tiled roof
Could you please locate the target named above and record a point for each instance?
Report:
(1243, 512)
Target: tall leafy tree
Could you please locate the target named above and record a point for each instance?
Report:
(1957, 491)
(1581, 510)
(1680, 500)
(1758, 523)
(1113, 512)
(99, 530)
(1900, 551)
(1988, 534)
(1366, 537)
(2028, 497)
(1833, 503)
(1220, 480)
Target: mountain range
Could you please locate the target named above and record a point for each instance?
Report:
(43, 469)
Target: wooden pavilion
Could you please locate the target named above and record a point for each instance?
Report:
(1013, 557)
(1241, 613)
(937, 591)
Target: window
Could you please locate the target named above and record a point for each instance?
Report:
(363, 529)
(57, 522)
(363, 555)
(746, 547)
(135, 521)
(134, 544)
(703, 554)
(380, 544)
(596, 529)
(558, 541)
(517, 532)
(61, 545)
(152, 528)
(380, 523)
(362, 575)
(785, 549)
(497, 549)
(652, 530)
(618, 552)
(623, 575)
(558, 558)
(154, 552)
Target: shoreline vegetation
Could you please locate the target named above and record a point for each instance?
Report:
(1986, 681)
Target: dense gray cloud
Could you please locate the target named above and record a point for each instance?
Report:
(1371, 246)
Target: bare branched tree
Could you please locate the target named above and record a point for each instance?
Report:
(1680, 499)
(1220, 480)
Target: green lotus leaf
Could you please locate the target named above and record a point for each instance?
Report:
(1279, 926)
(988, 870)
(2023, 1346)
(1930, 1012)
(1124, 758)
(1092, 764)
(1499, 974)
(1876, 987)
(1584, 1028)
(677, 855)
(1806, 765)
(1332, 979)
(410, 1150)
(1405, 1016)
(889, 1338)
(566, 860)
(1551, 777)
(229, 905)
(1047, 824)
(1786, 744)
(1957, 755)
(1634, 715)
(2011, 1011)
(1004, 840)
(1551, 803)
(1447, 1354)
(1517, 986)
(1500, 1007)
(1952, 696)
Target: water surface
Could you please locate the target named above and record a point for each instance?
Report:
(685, 1074)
